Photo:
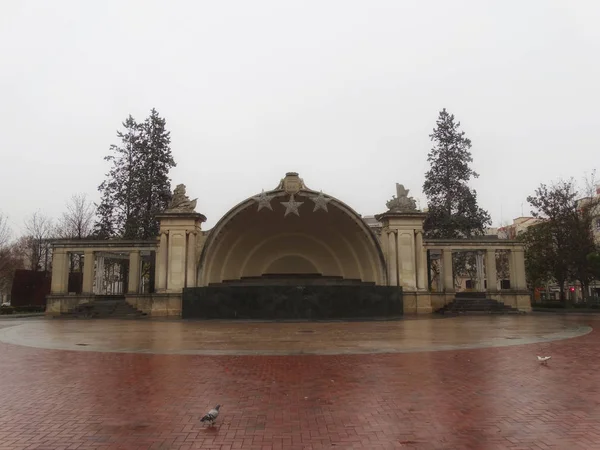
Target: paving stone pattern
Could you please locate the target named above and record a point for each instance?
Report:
(488, 398)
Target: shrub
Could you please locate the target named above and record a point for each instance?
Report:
(6, 309)
(29, 309)
(549, 305)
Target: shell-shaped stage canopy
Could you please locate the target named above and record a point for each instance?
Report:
(291, 230)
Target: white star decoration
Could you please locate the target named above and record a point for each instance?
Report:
(264, 200)
(320, 202)
(291, 206)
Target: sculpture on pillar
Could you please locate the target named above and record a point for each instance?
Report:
(180, 201)
(402, 203)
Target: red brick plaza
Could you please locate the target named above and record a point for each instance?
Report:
(486, 398)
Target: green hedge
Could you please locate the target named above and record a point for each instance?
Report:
(22, 309)
(29, 309)
(563, 305)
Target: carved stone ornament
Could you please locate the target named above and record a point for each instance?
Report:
(291, 184)
(320, 202)
(291, 206)
(401, 203)
(263, 200)
(180, 201)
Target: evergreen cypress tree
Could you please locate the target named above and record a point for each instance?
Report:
(137, 186)
(453, 210)
(154, 183)
(104, 225)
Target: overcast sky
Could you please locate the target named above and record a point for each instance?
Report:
(344, 92)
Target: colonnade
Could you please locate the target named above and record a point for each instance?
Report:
(94, 265)
(485, 257)
(407, 255)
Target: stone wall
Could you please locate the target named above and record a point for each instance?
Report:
(157, 305)
(291, 302)
(62, 304)
(518, 300)
(417, 303)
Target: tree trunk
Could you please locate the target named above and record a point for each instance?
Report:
(584, 290)
(561, 285)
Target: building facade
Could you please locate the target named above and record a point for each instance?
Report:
(287, 246)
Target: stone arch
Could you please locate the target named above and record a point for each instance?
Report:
(291, 264)
(308, 247)
(246, 241)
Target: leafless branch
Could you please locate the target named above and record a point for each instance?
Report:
(39, 230)
(78, 221)
(4, 231)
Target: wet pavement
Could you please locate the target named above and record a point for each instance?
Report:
(290, 338)
(496, 396)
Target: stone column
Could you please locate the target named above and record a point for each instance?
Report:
(134, 272)
(517, 269)
(447, 270)
(161, 267)
(99, 279)
(392, 259)
(479, 282)
(190, 278)
(176, 261)
(407, 260)
(490, 270)
(421, 261)
(60, 272)
(88, 272)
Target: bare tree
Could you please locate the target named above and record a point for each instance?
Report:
(10, 261)
(6, 260)
(77, 222)
(4, 231)
(503, 265)
(39, 229)
(506, 230)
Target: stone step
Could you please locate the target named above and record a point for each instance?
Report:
(475, 305)
(470, 295)
(112, 309)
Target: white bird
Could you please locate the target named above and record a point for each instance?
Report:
(544, 359)
(212, 415)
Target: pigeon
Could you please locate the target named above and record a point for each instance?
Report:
(212, 415)
(544, 359)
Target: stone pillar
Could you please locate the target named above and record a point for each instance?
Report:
(517, 269)
(89, 263)
(177, 258)
(403, 252)
(60, 272)
(520, 255)
(479, 282)
(392, 259)
(407, 266)
(99, 279)
(490, 270)
(190, 278)
(421, 261)
(177, 265)
(447, 270)
(161, 267)
(134, 272)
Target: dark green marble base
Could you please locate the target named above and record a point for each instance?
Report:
(291, 302)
